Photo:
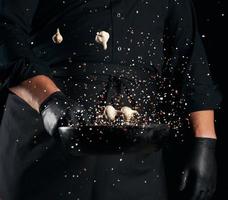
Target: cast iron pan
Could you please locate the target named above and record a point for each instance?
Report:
(113, 139)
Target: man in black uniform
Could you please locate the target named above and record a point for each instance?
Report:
(41, 72)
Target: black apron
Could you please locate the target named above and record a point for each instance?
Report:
(35, 166)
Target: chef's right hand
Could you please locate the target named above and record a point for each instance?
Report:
(57, 110)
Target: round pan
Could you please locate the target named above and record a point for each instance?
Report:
(113, 139)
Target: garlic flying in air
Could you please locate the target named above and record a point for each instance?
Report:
(102, 38)
(128, 113)
(57, 38)
(110, 112)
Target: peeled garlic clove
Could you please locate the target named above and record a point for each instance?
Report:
(57, 38)
(110, 112)
(128, 113)
(102, 38)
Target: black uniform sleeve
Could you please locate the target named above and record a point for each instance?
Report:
(17, 60)
(186, 55)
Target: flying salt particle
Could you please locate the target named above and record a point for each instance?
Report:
(118, 14)
(102, 38)
(57, 38)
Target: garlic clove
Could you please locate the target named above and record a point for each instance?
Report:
(110, 112)
(102, 38)
(57, 38)
(128, 113)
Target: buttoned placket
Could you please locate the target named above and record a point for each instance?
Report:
(117, 18)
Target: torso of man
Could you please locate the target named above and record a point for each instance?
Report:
(135, 27)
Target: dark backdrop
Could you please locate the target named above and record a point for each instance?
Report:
(211, 18)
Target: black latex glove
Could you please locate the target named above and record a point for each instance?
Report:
(198, 181)
(58, 110)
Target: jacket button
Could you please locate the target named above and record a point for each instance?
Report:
(119, 48)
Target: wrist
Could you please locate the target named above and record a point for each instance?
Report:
(35, 90)
(205, 134)
(45, 95)
(55, 96)
(202, 123)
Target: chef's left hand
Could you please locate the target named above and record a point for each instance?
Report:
(198, 180)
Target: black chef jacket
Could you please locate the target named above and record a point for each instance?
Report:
(156, 34)
(159, 35)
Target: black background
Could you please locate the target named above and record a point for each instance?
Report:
(212, 24)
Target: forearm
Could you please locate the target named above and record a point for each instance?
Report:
(35, 90)
(202, 123)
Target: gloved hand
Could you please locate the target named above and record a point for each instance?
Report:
(198, 181)
(57, 110)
